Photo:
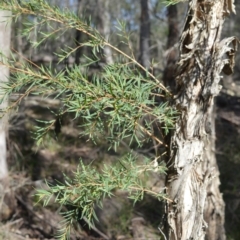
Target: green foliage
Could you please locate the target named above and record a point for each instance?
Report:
(117, 102)
(172, 2)
(90, 186)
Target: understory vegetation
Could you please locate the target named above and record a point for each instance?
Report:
(89, 140)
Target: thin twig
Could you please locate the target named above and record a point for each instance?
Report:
(96, 230)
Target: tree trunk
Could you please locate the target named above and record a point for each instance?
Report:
(6, 196)
(172, 52)
(104, 27)
(4, 73)
(144, 58)
(190, 177)
(214, 209)
(79, 34)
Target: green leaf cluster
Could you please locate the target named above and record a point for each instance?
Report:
(89, 187)
(172, 2)
(114, 101)
(120, 101)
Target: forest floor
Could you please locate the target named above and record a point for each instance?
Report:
(119, 219)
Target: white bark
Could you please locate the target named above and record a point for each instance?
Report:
(3, 155)
(7, 199)
(5, 29)
(104, 27)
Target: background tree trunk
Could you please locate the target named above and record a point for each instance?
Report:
(202, 58)
(7, 199)
(144, 58)
(4, 73)
(172, 51)
(79, 36)
(104, 27)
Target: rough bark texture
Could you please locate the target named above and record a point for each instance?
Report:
(144, 58)
(190, 178)
(214, 209)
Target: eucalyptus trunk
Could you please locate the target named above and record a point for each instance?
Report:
(192, 177)
(144, 35)
(4, 73)
(5, 195)
(104, 26)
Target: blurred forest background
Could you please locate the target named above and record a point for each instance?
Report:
(29, 164)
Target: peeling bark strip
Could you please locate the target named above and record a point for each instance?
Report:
(202, 59)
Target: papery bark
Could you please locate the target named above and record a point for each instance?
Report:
(214, 208)
(192, 176)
